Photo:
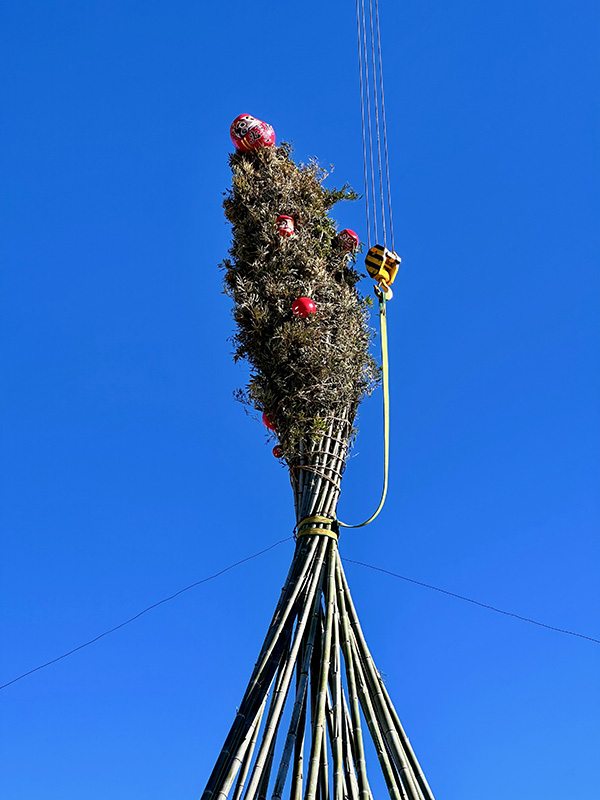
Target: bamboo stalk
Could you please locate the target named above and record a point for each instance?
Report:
(336, 715)
(318, 728)
(265, 755)
(401, 758)
(233, 749)
(342, 775)
(325, 468)
(311, 600)
(316, 480)
(339, 452)
(394, 785)
(277, 625)
(407, 745)
(315, 671)
(239, 787)
(239, 758)
(324, 770)
(266, 775)
(298, 768)
(394, 745)
(300, 473)
(348, 747)
(264, 669)
(359, 752)
(299, 706)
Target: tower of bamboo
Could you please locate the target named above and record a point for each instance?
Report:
(315, 693)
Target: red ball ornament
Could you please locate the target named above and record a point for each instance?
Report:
(267, 422)
(278, 451)
(348, 239)
(285, 225)
(303, 307)
(250, 133)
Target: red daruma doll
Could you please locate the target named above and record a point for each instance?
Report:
(349, 240)
(285, 225)
(249, 133)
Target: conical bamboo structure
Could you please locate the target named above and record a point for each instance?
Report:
(315, 694)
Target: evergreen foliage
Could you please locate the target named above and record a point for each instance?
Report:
(304, 372)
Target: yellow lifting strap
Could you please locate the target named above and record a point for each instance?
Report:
(381, 296)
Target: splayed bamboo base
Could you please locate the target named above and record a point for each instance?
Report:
(315, 648)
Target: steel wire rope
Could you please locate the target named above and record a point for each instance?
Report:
(368, 96)
(347, 560)
(374, 64)
(385, 144)
(470, 600)
(362, 117)
(145, 611)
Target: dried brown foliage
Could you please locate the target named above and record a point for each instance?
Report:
(304, 372)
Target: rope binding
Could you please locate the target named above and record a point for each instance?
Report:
(318, 526)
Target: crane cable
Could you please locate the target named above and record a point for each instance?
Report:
(374, 36)
(372, 101)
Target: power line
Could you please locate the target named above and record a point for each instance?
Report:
(475, 602)
(266, 550)
(145, 611)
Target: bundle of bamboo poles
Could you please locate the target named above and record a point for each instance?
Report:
(316, 474)
(300, 728)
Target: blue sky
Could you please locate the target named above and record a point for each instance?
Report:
(128, 471)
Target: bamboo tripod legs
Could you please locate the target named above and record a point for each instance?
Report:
(316, 636)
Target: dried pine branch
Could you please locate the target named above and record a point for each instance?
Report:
(305, 373)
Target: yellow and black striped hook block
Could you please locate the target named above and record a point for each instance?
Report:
(382, 265)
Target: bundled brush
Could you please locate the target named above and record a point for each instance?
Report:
(301, 323)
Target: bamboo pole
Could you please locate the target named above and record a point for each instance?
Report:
(348, 747)
(314, 481)
(394, 785)
(239, 758)
(299, 706)
(330, 730)
(359, 752)
(392, 740)
(265, 667)
(403, 761)
(298, 768)
(306, 563)
(312, 598)
(300, 473)
(339, 452)
(265, 755)
(266, 775)
(318, 728)
(324, 469)
(324, 770)
(406, 741)
(239, 787)
(336, 715)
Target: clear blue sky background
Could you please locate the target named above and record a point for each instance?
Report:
(128, 470)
